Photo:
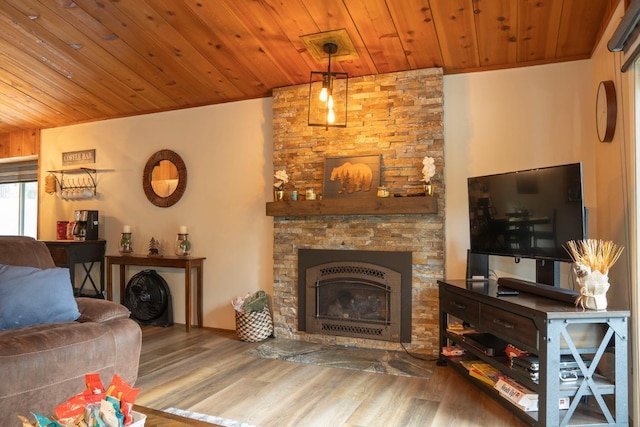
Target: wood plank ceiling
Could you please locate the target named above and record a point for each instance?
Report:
(71, 61)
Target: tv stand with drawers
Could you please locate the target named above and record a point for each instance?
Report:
(549, 329)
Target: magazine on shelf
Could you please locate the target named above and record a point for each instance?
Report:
(460, 329)
(515, 392)
(522, 397)
(480, 376)
(532, 405)
(482, 371)
(467, 363)
(526, 406)
(485, 372)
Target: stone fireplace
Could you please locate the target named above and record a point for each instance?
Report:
(399, 117)
(361, 294)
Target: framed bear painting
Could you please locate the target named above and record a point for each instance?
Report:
(351, 177)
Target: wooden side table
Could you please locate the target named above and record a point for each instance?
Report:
(69, 253)
(185, 263)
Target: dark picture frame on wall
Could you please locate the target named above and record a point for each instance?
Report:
(351, 177)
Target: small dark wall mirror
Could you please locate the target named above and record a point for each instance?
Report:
(164, 178)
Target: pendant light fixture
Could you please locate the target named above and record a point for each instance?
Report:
(328, 94)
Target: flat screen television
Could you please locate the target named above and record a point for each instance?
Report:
(529, 213)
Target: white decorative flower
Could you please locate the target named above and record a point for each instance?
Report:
(429, 169)
(282, 178)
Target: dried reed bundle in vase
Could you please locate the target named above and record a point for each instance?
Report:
(593, 259)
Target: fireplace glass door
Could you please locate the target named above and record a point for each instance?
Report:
(353, 299)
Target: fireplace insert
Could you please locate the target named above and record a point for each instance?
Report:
(362, 294)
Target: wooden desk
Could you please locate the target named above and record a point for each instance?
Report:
(186, 263)
(68, 253)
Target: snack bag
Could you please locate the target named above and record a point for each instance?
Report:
(71, 411)
(97, 418)
(117, 405)
(121, 390)
(94, 383)
(44, 421)
(108, 414)
(95, 391)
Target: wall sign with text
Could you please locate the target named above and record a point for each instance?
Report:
(78, 157)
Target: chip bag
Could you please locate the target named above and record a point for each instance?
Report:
(126, 394)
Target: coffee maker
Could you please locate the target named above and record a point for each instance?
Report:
(86, 226)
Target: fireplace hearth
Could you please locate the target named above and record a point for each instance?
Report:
(361, 294)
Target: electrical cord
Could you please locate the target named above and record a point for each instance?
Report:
(418, 357)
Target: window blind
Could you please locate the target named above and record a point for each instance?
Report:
(626, 37)
(19, 171)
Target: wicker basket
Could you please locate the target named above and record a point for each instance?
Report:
(254, 326)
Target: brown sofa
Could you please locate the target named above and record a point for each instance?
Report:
(43, 365)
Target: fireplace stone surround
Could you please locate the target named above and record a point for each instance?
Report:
(396, 115)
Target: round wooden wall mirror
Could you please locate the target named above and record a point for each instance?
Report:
(164, 178)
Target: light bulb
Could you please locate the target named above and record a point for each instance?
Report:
(323, 94)
(330, 102)
(331, 116)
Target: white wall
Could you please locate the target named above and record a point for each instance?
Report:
(507, 120)
(227, 150)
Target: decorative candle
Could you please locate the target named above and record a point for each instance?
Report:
(125, 246)
(183, 245)
(126, 229)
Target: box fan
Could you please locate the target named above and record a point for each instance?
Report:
(148, 297)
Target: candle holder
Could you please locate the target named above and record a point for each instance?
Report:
(126, 245)
(183, 245)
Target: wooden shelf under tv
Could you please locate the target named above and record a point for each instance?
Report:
(364, 206)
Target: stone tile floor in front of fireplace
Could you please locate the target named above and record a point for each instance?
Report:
(364, 359)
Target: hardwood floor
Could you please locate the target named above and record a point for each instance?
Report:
(208, 371)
